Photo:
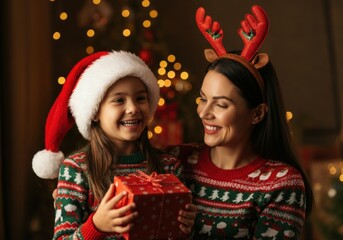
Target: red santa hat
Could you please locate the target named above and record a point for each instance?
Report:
(79, 100)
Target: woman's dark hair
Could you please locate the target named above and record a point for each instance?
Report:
(271, 138)
(102, 158)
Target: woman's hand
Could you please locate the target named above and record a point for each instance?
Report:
(187, 217)
(54, 195)
(107, 218)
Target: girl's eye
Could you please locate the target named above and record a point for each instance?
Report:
(202, 99)
(142, 98)
(118, 100)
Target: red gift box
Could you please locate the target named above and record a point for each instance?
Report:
(158, 199)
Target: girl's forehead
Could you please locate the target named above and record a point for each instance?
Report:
(128, 82)
(127, 85)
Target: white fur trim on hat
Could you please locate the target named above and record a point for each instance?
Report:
(46, 164)
(99, 76)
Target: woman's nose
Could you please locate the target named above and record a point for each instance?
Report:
(205, 111)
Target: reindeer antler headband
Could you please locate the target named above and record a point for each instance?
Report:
(253, 31)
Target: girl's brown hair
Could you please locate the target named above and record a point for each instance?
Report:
(102, 158)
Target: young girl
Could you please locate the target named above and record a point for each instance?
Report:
(245, 179)
(111, 97)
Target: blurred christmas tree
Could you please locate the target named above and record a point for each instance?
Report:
(332, 222)
(328, 190)
(81, 29)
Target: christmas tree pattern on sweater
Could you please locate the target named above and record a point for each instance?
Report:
(75, 203)
(262, 200)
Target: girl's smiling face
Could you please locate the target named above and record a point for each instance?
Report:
(124, 111)
(226, 118)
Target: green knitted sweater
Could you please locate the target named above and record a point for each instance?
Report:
(75, 203)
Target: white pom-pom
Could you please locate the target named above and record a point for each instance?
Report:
(46, 164)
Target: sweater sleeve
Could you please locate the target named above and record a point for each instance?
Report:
(73, 218)
(178, 156)
(282, 209)
(171, 162)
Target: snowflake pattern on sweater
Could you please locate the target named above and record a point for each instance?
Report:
(262, 200)
(75, 203)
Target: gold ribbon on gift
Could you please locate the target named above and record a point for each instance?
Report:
(153, 178)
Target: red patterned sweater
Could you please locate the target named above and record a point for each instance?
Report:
(262, 200)
(75, 204)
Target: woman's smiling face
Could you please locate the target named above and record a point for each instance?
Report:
(226, 118)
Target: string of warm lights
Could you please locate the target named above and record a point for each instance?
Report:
(336, 170)
(95, 16)
(126, 12)
(170, 75)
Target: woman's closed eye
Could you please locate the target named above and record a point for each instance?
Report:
(222, 105)
(217, 103)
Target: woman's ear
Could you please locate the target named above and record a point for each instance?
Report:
(259, 113)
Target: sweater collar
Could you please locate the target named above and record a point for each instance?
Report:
(134, 158)
(225, 174)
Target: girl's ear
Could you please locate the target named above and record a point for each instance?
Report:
(259, 113)
(96, 118)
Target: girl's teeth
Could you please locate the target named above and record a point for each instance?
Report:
(130, 123)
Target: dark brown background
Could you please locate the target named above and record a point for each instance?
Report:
(304, 43)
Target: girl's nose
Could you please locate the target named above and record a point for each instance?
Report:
(131, 107)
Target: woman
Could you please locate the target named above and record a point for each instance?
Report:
(245, 179)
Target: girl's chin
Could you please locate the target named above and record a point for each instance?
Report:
(132, 137)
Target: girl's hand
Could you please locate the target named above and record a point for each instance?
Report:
(109, 219)
(187, 217)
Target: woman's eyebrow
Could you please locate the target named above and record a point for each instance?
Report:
(217, 97)
(223, 97)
